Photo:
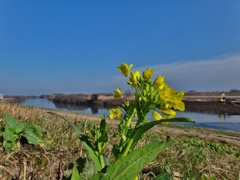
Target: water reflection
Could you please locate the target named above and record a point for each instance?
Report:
(78, 108)
(222, 117)
(69, 106)
(94, 110)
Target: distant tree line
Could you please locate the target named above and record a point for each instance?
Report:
(87, 99)
(79, 99)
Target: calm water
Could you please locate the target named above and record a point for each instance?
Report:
(215, 121)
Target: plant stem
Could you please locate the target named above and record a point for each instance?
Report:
(101, 161)
(125, 152)
(130, 118)
(100, 152)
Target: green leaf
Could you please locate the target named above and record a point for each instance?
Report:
(8, 146)
(31, 136)
(75, 173)
(102, 136)
(179, 119)
(128, 167)
(98, 176)
(87, 144)
(9, 134)
(163, 176)
(36, 130)
(103, 130)
(20, 127)
(141, 129)
(10, 121)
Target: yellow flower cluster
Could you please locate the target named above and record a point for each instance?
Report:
(156, 93)
(115, 112)
(117, 93)
(134, 78)
(172, 98)
(125, 69)
(159, 83)
(147, 74)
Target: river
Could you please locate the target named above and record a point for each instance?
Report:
(206, 120)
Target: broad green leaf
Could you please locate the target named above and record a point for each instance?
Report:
(87, 144)
(10, 121)
(36, 130)
(75, 173)
(98, 176)
(9, 134)
(20, 127)
(141, 129)
(128, 167)
(8, 146)
(31, 137)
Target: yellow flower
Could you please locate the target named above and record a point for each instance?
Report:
(117, 93)
(115, 112)
(168, 112)
(159, 82)
(135, 76)
(147, 74)
(179, 96)
(180, 106)
(166, 94)
(125, 69)
(172, 99)
(156, 116)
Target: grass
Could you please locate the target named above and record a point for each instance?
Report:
(194, 153)
(206, 130)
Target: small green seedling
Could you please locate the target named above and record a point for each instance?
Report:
(16, 132)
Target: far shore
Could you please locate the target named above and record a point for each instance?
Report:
(194, 101)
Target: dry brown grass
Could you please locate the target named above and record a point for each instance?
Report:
(192, 153)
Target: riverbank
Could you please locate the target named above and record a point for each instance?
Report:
(203, 152)
(216, 107)
(191, 104)
(194, 101)
(199, 102)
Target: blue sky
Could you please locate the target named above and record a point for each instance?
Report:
(75, 46)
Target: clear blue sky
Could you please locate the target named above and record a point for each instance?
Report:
(75, 46)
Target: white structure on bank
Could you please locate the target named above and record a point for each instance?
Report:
(1, 97)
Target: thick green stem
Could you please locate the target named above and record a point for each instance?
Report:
(100, 156)
(130, 118)
(125, 152)
(101, 161)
